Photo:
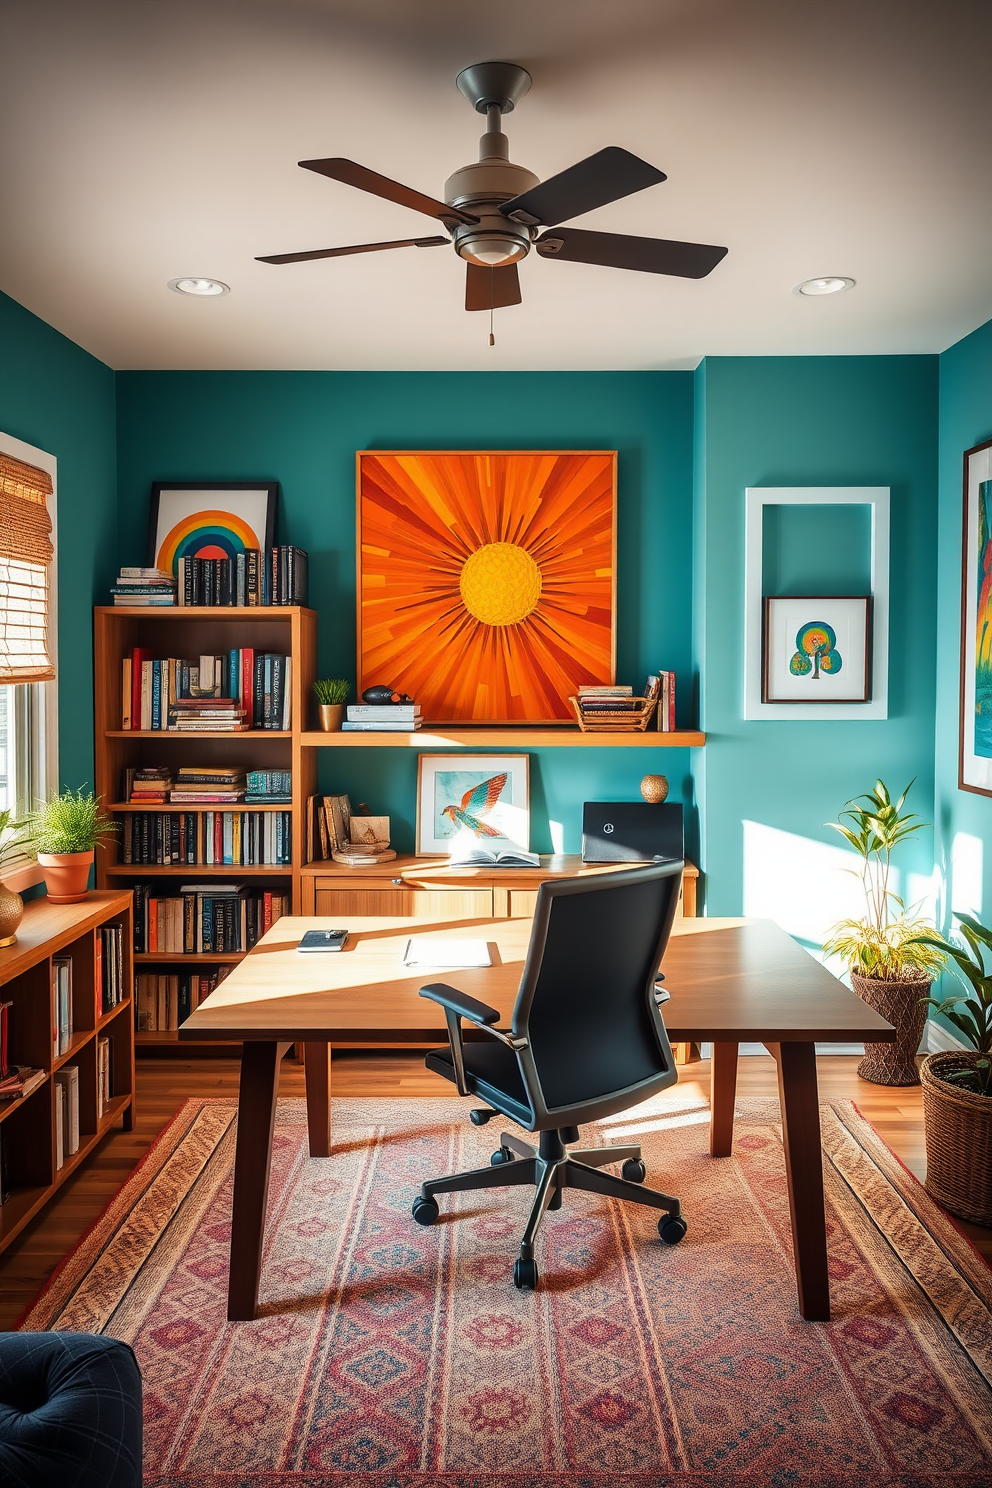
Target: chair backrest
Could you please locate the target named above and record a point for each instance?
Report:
(596, 1042)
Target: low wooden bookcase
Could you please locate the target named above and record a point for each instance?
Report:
(27, 1126)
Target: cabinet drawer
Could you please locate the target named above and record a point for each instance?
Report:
(334, 899)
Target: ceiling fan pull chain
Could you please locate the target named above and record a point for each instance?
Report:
(492, 338)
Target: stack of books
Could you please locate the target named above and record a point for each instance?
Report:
(237, 690)
(217, 839)
(618, 698)
(328, 825)
(62, 1030)
(385, 718)
(19, 1081)
(148, 784)
(204, 919)
(162, 1002)
(269, 788)
(663, 684)
(109, 968)
(144, 587)
(246, 580)
(199, 786)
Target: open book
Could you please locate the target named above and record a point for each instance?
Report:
(474, 855)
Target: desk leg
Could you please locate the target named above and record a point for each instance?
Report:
(804, 1169)
(317, 1061)
(723, 1090)
(252, 1158)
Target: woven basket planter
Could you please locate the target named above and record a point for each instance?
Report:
(902, 1005)
(958, 1128)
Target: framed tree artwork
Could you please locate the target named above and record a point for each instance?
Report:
(817, 649)
(975, 729)
(487, 579)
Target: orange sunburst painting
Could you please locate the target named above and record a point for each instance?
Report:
(486, 580)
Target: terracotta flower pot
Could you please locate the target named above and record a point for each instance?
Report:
(957, 1124)
(11, 911)
(902, 1005)
(331, 717)
(67, 875)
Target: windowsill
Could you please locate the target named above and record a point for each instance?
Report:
(19, 879)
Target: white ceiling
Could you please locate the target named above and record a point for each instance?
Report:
(145, 139)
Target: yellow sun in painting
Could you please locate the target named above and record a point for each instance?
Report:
(500, 584)
(487, 580)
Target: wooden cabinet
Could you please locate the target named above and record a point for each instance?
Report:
(360, 898)
(27, 983)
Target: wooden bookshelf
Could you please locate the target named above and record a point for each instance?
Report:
(289, 630)
(27, 1126)
(513, 736)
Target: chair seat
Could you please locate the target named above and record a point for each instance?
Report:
(492, 1072)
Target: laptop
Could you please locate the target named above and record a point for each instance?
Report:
(631, 832)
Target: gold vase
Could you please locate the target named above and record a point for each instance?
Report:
(331, 717)
(11, 912)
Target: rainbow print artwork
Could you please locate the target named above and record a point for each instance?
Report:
(206, 534)
(983, 625)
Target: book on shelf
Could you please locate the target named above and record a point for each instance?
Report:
(164, 1001)
(383, 712)
(62, 976)
(228, 693)
(211, 837)
(251, 578)
(110, 968)
(367, 726)
(663, 685)
(328, 825)
(60, 1125)
(4, 1168)
(5, 1008)
(474, 855)
(67, 1088)
(19, 1081)
(203, 918)
(606, 689)
(144, 586)
(104, 1073)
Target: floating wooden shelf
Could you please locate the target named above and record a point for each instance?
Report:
(217, 958)
(508, 737)
(193, 807)
(253, 734)
(193, 871)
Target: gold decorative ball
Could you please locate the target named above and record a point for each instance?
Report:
(654, 789)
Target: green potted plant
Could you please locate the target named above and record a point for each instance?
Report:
(331, 693)
(65, 832)
(891, 957)
(14, 842)
(957, 1084)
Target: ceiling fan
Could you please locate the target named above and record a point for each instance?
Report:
(494, 210)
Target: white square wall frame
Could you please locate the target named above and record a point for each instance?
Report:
(756, 499)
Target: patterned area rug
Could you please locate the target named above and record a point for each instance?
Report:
(392, 1356)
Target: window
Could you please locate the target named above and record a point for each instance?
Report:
(28, 698)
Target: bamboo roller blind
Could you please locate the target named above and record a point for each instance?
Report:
(26, 554)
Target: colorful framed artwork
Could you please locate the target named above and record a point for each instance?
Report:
(975, 739)
(191, 519)
(817, 649)
(472, 799)
(487, 579)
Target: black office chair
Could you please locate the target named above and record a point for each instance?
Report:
(586, 1040)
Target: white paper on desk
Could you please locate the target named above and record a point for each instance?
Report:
(421, 950)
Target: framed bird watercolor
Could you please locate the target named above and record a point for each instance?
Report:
(472, 799)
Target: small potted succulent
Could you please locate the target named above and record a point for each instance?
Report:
(892, 958)
(14, 842)
(331, 693)
(957, 1084)
(65, 832)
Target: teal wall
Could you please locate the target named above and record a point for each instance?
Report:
(965, 420)
(57, 397)
(812, 421)
(303, 428)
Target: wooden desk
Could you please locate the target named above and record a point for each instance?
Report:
(730, 981)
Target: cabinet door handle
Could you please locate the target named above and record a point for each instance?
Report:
(396, 880)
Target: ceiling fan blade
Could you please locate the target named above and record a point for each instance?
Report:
(604, 177)
(617, 251)
(351, 174)
(280, 258)
(491, 289)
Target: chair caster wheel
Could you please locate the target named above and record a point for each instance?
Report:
(500, 1156)
(480, 1116)
(524, 1275)
(634, 1170)
(672, 1228)
(425, 1211)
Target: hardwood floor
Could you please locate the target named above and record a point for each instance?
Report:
(164, 1084)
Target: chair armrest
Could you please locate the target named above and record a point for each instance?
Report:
(461, 1003)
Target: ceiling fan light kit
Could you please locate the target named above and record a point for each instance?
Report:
(494, 209)
(199, 287)
(828, 284)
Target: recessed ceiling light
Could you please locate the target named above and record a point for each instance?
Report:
(829, 284)
(202, 287)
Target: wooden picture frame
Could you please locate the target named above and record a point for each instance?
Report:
(487, 579)
(209, 519)
(816, 649)
(975, 700)
(444, 781)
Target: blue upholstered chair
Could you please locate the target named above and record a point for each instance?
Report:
(70, 1412)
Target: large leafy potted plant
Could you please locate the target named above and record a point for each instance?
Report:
(892, 958)
(14, 842)
(65, 832)
(957, 1084)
